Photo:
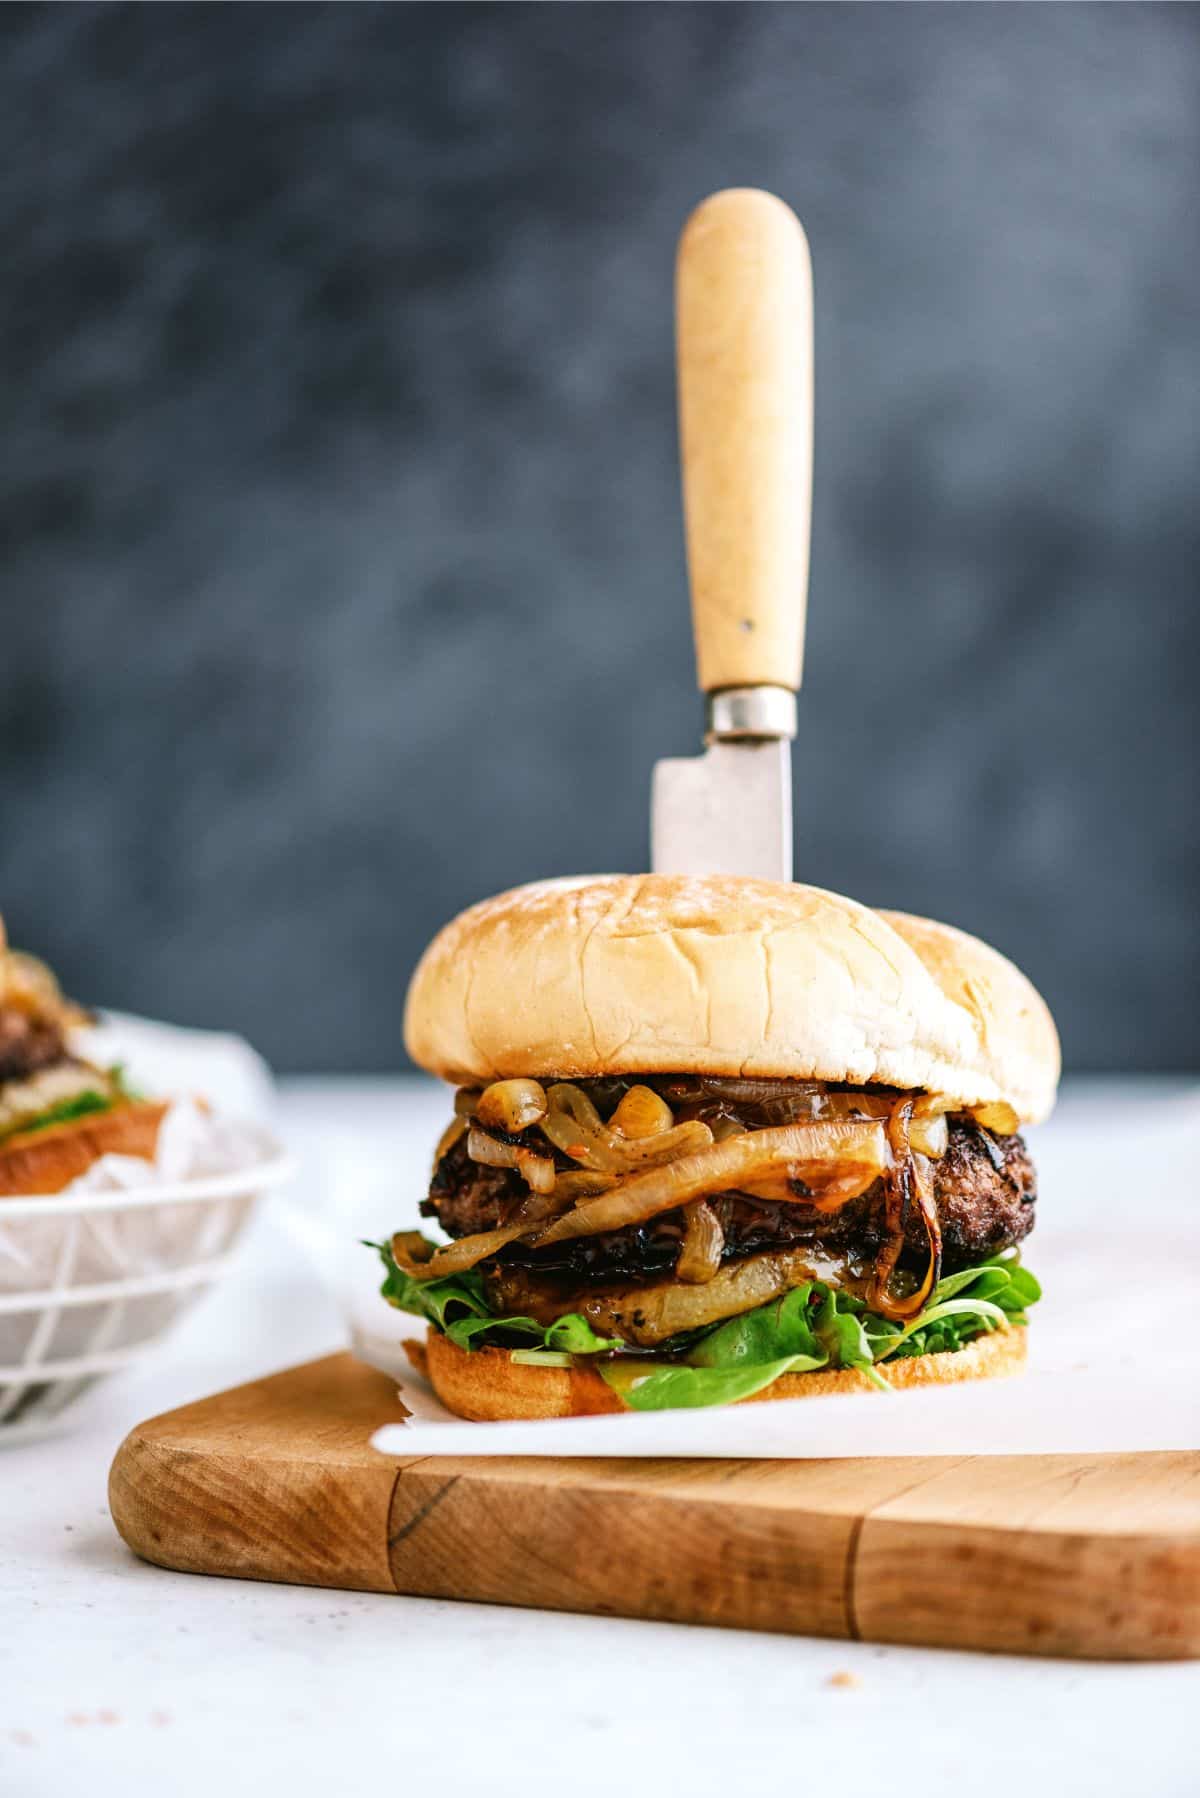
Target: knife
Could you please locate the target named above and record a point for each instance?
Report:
(743, 299)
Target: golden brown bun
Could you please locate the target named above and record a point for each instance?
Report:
(487, 1386)
(44, 1161)
(626, 974)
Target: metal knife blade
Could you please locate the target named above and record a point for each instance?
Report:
(728, 811)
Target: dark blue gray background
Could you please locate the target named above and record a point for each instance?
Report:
(341, 551)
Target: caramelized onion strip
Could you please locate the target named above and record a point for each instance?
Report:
(929, 1134)
(537, 1171)
(858, 1104)
(574, 1125)
(907, 1182)
(742, 1092)
(458, 1256)
(455, 1130)
(647, 1314)
(512, 1105)
(812, 1152)
(878, 1296)
(585, 1183)
(641, 1113)
(703, 1243)
(999, 1118)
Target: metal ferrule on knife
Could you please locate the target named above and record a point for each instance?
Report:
(741, 714)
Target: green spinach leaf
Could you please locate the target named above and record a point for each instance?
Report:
(65, 1112)
(653, 1386)
(814, 1326)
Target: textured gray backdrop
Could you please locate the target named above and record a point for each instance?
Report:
(342, 559)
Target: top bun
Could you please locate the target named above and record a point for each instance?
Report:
(658, 974)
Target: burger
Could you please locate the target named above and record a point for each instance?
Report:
(718, 1139)
(58, 1112)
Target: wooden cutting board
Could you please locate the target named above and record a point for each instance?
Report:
(1043, 1554)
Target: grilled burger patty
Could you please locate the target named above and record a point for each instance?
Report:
(984, 1188)
(27, 1044)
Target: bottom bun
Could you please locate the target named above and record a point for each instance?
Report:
(487, 1386)
(37, 1162)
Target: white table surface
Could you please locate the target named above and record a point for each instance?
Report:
(119, 1677)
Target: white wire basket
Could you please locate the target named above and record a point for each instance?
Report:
(90, 1280)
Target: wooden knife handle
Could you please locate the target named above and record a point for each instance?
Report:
(744, 324)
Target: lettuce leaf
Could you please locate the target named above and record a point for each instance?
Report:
(80, 1106)
(457, 1306)
(818, 1326)
(651, 1386)
(991, 1296)
(85, 1104)
(813, 1326)
(782, 1327)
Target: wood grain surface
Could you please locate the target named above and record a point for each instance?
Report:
(1048, 1554)
(744, 330)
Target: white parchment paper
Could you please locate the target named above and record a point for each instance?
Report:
(1112, 1357)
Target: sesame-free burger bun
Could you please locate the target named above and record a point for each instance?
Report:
(625, 974)
(487, 1386)
(37, 1162)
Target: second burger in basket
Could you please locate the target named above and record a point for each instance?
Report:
(58, 1113)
